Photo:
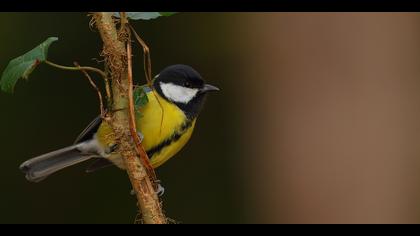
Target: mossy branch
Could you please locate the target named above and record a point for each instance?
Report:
(115, 55)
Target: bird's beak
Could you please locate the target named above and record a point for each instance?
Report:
(208, 88)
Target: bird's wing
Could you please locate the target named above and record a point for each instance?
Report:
(89, 131)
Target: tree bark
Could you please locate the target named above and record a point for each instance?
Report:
(115, 55)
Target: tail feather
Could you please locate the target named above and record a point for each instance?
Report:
(38, 168)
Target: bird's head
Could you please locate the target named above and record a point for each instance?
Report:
(183, 86)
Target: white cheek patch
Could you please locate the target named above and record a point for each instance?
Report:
(178, 93)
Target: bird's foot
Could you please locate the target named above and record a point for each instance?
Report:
(160, 189)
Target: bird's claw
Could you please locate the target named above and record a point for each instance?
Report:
(160, 189)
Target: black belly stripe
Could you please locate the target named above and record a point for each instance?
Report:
(173, 138)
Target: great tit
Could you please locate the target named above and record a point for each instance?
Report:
(165, 124)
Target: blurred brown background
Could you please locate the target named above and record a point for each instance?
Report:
(317, 120)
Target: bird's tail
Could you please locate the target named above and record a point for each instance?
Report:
(38, 168)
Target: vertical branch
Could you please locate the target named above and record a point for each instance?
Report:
(116, 63)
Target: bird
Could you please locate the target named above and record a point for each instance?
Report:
(165, 124)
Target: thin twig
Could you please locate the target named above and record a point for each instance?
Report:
(102, 73)
(108, 86)
(108, 90)
(132, 116)
(148, 72)
(76, 68)
(147, 60)
(101, 103)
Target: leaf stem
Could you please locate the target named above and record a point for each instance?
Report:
(76, 68)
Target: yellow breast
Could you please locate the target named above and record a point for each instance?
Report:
(159, 122)
(164, 127)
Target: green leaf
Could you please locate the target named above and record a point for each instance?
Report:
(22, 67)
(144, 15)
(140, 97)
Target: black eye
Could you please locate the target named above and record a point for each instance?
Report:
(187, 84)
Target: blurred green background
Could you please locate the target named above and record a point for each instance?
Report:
(49, 110)
(317, 120)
